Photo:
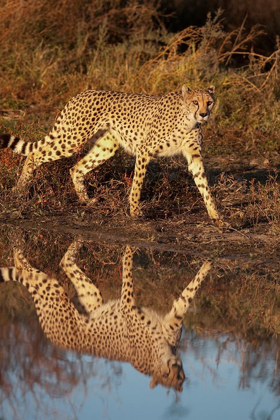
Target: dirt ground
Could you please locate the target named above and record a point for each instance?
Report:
(183, 232)
(194, 236)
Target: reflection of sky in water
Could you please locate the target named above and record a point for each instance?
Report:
(214, 390)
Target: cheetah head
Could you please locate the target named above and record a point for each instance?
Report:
(170, 375)
(198, 102)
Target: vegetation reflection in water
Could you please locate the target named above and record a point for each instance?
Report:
(35, 370)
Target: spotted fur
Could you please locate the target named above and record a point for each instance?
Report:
(118, 329)
(145, 126)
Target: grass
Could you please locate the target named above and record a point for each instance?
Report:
(45, 61)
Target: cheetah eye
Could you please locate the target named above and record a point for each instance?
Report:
(195, 103)
(209, 103)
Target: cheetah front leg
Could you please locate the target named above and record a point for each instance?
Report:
(88, 294)
(142, 160)
(127, 299)
(192, 152)
(173, 321)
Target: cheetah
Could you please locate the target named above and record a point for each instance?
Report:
(146, 126)
(116, 330)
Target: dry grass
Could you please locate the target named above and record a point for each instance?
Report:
(92, 52)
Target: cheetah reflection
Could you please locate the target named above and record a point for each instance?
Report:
(118, 329)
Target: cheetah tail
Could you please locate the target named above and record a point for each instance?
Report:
(8, 141)
(10, 274)
(32, 279)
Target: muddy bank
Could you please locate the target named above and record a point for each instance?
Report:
(195, 236)
(247, 195)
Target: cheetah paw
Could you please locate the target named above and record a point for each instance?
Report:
(222, 225)
(136, 213)
(86, 201)
(91, 201)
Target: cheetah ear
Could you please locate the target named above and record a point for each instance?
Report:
(211, 90)
(186, 91)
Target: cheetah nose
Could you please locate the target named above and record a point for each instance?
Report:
(203, 114)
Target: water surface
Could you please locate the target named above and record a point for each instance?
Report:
(231, 368)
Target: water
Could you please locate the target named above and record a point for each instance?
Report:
(231, 368)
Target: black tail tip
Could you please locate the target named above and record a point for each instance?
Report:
(4, 140)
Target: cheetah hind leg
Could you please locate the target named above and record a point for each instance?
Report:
(142, 160)
(88, 294)
(21, 262)
(22, 186)
(43, 154)
(33, 279)
(104, 148)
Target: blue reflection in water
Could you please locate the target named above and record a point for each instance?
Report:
(227, 379)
